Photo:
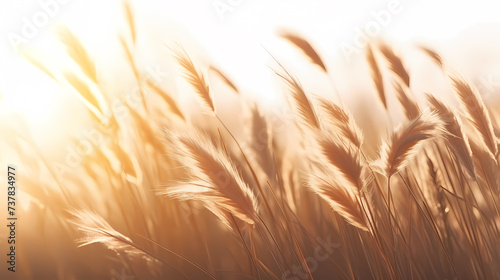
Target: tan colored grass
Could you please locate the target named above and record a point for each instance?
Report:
(406, 141)
(376, 75)
(302, 106)
(171, 191)
(174, 108)
(340, 120)
(215, 180)
(410, 106)
(346, 159)
(130, 20)
(343, 200)
(224, 78)
(195, 78)
(477, 114)
(433, 55)
(305, 47)
(85, 93)
(395, 63)
(456, 138)
(97, 230)
(78, 53)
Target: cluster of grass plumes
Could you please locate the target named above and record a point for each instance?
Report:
(173, 198)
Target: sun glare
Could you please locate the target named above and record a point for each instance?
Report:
(31, 101)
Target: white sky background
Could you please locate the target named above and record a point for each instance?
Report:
(235, 42)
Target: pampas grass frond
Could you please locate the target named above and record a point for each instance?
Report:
(87, 96)
(78, 53)
(341, 121)
(305, 47)
(343, 200)
(261, 141)
(224, 78)
(97, 230)
(477, 114)
(410, 106)
(216, 181)
(456, 137)
(195, 78)
(434, 56)
(172, 105)
(347, 160)
(376, 75)
(395, 63)
(406, 141)
(300, 102)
